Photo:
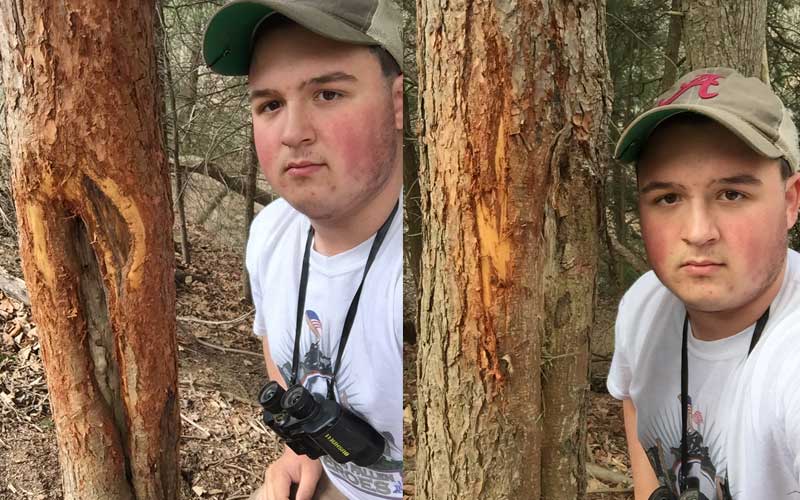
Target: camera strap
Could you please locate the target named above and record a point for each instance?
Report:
(351, 311)
(684, 473)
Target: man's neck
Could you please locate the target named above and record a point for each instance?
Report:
(718, 325)
(333, 237)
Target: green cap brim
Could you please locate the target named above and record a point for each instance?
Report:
(228, 39)
(635, 136)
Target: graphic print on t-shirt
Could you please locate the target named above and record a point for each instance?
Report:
(315, 370)
(666, 461)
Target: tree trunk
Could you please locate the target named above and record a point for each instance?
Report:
(413, 237)
(729, 33)
(91, 189)
(515, 103)
(672, 50)
(249, 214)
(413, 215)
(176, 142)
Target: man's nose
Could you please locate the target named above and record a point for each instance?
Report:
(298, 128)
(700, 227)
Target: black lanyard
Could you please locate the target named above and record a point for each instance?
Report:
(351, 312)
(760, 324)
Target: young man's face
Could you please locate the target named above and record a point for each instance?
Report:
(714, 215)
(327, 123)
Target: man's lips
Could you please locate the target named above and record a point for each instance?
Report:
(701, 267)
(302, 167)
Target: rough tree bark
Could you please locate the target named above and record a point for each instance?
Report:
(412, 249)
(91, 189)
(728, 33)
(672, 49)
(413, 223)
(514, 101)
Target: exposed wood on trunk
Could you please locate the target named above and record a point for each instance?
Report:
(514, 100)
(91, 189)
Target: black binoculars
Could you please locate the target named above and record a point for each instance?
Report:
(315, 426)
(692, 492)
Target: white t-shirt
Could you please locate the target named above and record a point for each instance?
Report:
(744, 427)
(369, 382)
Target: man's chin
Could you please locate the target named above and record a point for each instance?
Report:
(707, 300)
(310, 207)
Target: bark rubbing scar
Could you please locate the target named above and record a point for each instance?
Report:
(495, 256)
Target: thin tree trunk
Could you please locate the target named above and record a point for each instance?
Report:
(514, 104)
(176, 142)
(729, 33)
(413, 239)
(91, 189)
(672, 50)
(249, 213)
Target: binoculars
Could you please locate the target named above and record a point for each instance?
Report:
(315, 426)
(692, 492)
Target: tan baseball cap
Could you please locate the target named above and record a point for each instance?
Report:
(228, 39)
(745, 106)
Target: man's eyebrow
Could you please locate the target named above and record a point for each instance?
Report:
(336, 76)
(658, 185)
(255, 94)
(740, 179)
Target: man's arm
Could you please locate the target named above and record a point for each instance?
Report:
(290, 467)
(644, 479)
(272, 369)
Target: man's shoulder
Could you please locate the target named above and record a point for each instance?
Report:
(793, 268)
(647, 310)
(277, 213)
(647, 290)
(271, 225)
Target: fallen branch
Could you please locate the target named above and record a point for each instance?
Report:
(206, 433)
(228, 349)
(629, 489)
(234, 183)
(14, 287)
(192, 319)
(233, 466)
(604, 474)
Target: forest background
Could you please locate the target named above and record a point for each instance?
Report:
(216, 188)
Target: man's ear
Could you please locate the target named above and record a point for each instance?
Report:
(397, 101)
(792, 199)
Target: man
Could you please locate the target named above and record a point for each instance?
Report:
(326, 93)
(707, 344)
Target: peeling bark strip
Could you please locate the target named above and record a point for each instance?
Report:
(91, 188)
(514, 96)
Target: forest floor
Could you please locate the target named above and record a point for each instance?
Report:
(224, 447)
